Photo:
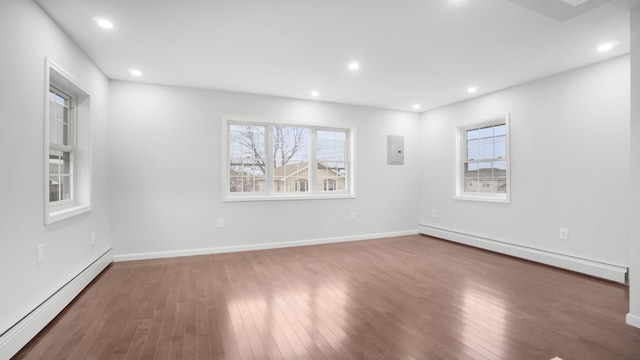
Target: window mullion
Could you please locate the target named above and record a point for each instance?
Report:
(269, 176)
(313, 160)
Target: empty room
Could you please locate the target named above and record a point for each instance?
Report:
(298, 179)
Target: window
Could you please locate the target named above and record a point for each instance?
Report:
(287, 161)
(483, 160)
(329, 185)
(67, 148)
(302, 185)
(60, 146)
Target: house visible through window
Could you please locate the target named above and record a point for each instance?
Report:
(483, 160)
(271, 160)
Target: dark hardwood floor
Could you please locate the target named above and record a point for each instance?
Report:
(410, 297)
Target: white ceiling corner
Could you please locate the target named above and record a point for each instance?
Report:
(560, 10)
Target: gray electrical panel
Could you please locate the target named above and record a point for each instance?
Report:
(395, 150)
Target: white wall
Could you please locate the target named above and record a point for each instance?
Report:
(569, 158)
(634, 234)
(165, 183)
(30, 36)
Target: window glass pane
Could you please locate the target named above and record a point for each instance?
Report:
(331, 176)
(486, 151)
(329, 185)
(473, 153)
(472, 134)
(473, 142)
(331, 145)
(302, 186)
(290, 145)
(59, 175)
(471, 184)
(54, 189)
(65, 165)
(65, 187)
(55, 160)
(500, 150)
(286, 177)
(290, 158)
(485, 169)
(488, 140)
(487, 186)
(500, 130)
(486, 132)
(500, 169)
(471, 170)
(58, 119)
(247, 142)
(64, 127)
(246, 176)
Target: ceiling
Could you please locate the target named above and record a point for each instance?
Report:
(425, 52)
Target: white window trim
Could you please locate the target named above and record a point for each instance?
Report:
(349, 193)
(459, 193)
(81, 163)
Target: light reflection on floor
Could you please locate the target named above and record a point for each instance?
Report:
(485, 320)
(317, 314)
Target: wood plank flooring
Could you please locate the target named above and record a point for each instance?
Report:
(411, 297)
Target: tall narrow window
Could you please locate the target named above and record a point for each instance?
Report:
(67, 146)
(483, 170)
(61, 146)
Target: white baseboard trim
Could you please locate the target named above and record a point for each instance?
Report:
(633, 320)
(262, 246)
(589, 267)
(17, 336)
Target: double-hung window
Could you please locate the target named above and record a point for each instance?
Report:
(483, 160)
(287, 161)
(61, 146)
(67, 149)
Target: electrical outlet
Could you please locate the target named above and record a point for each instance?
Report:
(40, 253)
(564, 234)
(93, 238)
(352, 216)
(220, 223)
(434, 213)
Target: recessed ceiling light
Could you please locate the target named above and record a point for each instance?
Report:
(472, 89)
(315, 93)
(574, 2)
(354, 65)
(103, 23)
(416, 106)
(606, 47)
(135, 72)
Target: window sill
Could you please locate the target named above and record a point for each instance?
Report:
(495, 198)
(54, 216)
(287, 197)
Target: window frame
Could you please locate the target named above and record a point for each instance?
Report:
(78, 145)
(460, 129)
(269, 193)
